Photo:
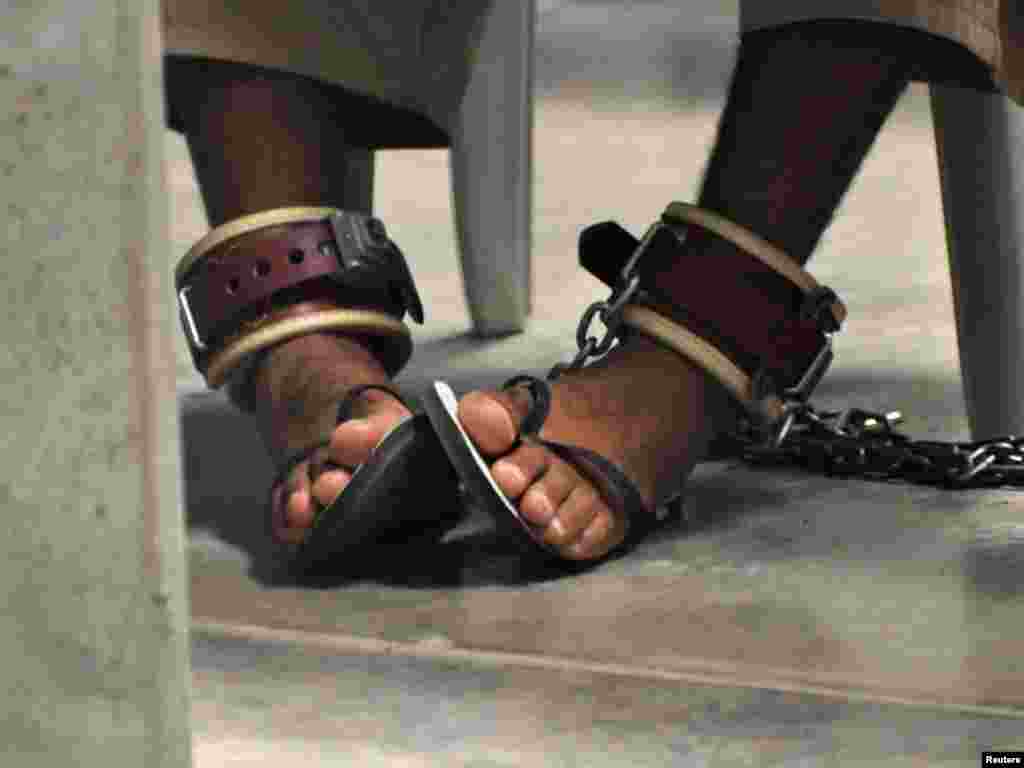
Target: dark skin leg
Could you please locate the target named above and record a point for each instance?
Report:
(260, 141)
(784, 158)
(804, 107)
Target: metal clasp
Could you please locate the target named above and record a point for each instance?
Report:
(627, 270)
(794, 399)
(813, 375)
(350, 239)
(191, 329)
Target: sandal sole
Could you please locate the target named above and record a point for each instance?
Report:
(441, 406)
(407, 491)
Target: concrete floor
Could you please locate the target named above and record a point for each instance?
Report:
(803, 619)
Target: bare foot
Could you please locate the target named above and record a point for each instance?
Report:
(296, 391)
(642, 407)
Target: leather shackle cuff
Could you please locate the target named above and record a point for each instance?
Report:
(248, 272)
(764, 320)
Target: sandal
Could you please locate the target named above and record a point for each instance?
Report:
(383, 504)
(756, 322)
(617, 490)
(237, 288)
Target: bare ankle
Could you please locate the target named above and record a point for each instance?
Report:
(293, 390)
(719, 408)
(290, 387)
(314, 367)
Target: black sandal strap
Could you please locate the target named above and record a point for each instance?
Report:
(540, 403)
(617, 490)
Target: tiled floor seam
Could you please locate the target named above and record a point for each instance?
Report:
(372, 646)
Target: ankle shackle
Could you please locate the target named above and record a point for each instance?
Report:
(235, 287)
(754, 319)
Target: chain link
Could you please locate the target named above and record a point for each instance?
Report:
(609, 312)
(860, 443)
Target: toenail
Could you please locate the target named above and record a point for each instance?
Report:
(499, 411)
(513, 474)
(539, 501)
(355, 424)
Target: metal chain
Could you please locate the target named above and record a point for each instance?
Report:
(609, 312)
(860, 443)
(850, 443)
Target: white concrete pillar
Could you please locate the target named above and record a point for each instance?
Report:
(93, 640)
